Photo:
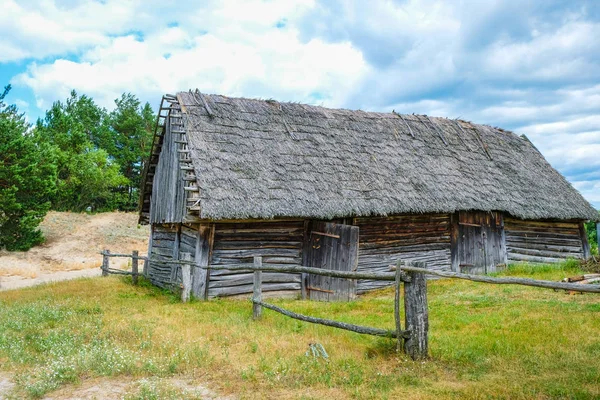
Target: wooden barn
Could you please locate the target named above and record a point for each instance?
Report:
(234, 178)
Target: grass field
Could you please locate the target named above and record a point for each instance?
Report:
(486, 341)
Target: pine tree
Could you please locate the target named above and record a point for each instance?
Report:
(27, 180)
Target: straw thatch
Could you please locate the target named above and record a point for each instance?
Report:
(264, 159)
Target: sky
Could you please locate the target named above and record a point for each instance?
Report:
(532, 67)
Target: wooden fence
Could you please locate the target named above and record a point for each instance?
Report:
(413, 339)
(135, 257)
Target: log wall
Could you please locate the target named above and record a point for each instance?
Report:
(163, 248)
(542, 241)
(384, 240)
(278, 242)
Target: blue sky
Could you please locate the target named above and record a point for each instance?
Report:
(529, 66)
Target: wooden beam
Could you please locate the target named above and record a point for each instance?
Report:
(416, 313)
(584, 241)
(454, 241)
(365, 330)
(508, 281)
(257, 290)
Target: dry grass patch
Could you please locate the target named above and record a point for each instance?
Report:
(485, 340)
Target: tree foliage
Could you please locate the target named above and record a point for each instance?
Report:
(592, 233)
(100, 155)
(27, 180)
(87, 176)
(128, 142)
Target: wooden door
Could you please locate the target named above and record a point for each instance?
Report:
(480, 241)
(332, 246)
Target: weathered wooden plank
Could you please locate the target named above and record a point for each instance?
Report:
(158, 235)
(454, 241)
(546, 252)
(542, 241)
(253, 244)
(202, 258)
(584, 241)
(360, 221)
(532, 259)
(163, 243)
(186, 277)
(247, 289)
(247, 278)
(256, 253)
(257, 289)
(166, 252)
(504, 280)
(542, 224)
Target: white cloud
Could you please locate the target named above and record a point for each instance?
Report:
(267, 62)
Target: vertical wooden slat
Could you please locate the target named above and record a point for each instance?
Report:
(200, 276)
(257, 292)
(454, 239)
(176, 244)
(186, 277)
(305, 258)
(584, 241)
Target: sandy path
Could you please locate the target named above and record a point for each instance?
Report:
(72, 247)
(18, 282)
(6, 385)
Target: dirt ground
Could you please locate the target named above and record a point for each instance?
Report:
(118, 388)
(6, 385)
(71, 250)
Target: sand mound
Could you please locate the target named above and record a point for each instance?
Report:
(73, 243)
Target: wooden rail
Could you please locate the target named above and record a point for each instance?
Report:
(507, 281)
(135, 257)
(413, 339)
(408, 339)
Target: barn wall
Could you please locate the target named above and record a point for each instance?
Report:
(167, 204)
(542, 241)
(278, 242)
(164, 239)
(384, 240)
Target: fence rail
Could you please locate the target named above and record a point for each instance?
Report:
(575, 287)
(413, 339)
(135, 257)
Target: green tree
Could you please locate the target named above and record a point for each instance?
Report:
(27, 180)
(592, 233)
(87, 176)
(128, 142)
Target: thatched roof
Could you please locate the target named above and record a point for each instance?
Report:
(265, 159)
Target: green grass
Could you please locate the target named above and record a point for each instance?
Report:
(486, 341)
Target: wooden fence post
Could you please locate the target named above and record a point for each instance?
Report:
(257, 294)
(145, 270)
(186, 277)
(134, 266)
(398, 281)
(416, 314)
(105, 262)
